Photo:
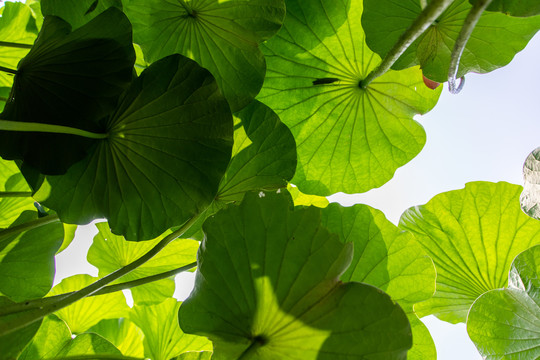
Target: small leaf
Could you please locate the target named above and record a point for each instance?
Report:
(87, 312)
(169, 144)
(493, 43)
(163, 338)
(223, 36)
(349, 138)
(70, 79)
(123, 334)
(472, 235)
(504, 324)
(267, 287)
(77, 12)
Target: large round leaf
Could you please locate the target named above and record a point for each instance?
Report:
(506, 323)
(472, 235)
(349, 138)
(223, 36)
(169, 144)
(493, 43)
(390, 259)
(267, 288)
(70, 79)
(530, 197)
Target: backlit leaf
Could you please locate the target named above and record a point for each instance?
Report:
(11, 345)
(123, 334)
(349, 139)
(472, 235)
(77, 12)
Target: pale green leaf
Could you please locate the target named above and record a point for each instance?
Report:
(154, 292)
(163, 338)
(472, 235)
(348, 138)
(53, 335)
(223, 36)
(123, 334)
(267, 287)
(85, 313)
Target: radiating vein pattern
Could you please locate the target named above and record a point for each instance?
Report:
(349, 138)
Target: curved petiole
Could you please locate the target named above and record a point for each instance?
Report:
(7, 125)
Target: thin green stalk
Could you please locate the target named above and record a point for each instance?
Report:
(34, 315)
(430, 13)
(6, 233)
(10, 194)
(8, 70)
(15, 45)
(7, 125)
(464, 35)
(39, 303)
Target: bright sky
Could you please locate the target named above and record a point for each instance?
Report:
(484, 133)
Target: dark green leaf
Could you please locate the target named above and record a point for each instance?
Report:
(11, 345)
(267, 287)
(348, 138)
(223, 36)
(389, 259)
(514, 7)
(493, 43)
(169, 145)
(71, 79)
(504, 324)
(77, 12)
(472, 235)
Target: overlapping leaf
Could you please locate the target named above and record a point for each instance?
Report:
(223, 36)
(349, 139)
(513, 7)
(163, 338)
(389, 259)
(530, 197)
(11, 345)
(169, 144)
(493, 43)
(267, 287)
(123, 334)
(472, 235)
(85, 313)
(70, 79)
(77, 12)
(505, 324)
(18, 26)
(11, 180)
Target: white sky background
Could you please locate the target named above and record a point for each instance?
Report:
(483, 133)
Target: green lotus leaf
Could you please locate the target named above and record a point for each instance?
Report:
(169, 144)
(222, 36)
(267, 287)
(153, 293)
(163, 338)
(77, 12)
(530, 197)
(348, 138)
(513, 7)
(504, 324)
(390, 259)
(192, 355)
(12, 344)
(4, 94)
(52, 336)
(301, 199)
(123, 334)
(85, 313)
(28, 255)
(11, 180)
(472, 235)
(70, 79)
(17, 25)
(69, 236)
(493, 43)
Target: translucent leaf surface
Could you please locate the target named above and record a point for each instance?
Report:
(267, 287)
(390, 259)
(514, 7)
(123, 334)
(53, 335)
(530, 197)
(11, 179)
(504, 324)
(11, 345)
(77, 12)
(87, 312)
(201, 355)
(70, 79)
(223, 36)
(169, 144)
(472, 235)
(17, 25)
(349, 139)
(27, 258)
(493, 43)
(163, 338)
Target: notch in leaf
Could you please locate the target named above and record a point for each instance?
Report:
(70, 80)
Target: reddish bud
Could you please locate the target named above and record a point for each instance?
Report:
(430, 83)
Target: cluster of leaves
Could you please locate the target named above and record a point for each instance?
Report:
(187, 120)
